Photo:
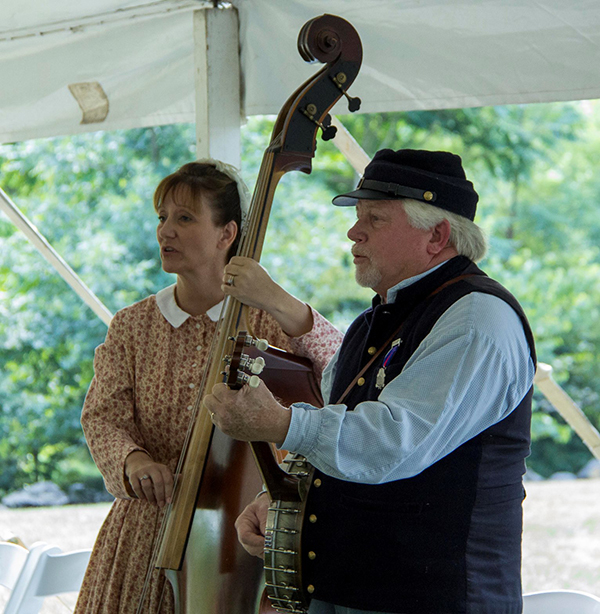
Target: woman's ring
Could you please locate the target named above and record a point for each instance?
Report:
(230, 280)
(145, 477)
(212, 415)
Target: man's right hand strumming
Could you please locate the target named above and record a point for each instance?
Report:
(251, 524)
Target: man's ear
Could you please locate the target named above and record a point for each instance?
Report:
(440, 237)
(228, 235)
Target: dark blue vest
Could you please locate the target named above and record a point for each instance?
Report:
(447, 540)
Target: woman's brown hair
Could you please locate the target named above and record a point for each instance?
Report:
(206, 186)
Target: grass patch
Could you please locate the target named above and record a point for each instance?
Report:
(561, 546)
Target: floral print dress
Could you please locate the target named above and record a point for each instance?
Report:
(147, 377)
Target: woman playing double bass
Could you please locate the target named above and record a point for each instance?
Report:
(148, 370)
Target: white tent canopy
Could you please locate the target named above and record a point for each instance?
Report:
(136, 57)
(68, 67)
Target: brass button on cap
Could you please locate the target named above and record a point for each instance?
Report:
(372, 350)
(312, 555)
(361, 381)
(312, 518)
(428, 195)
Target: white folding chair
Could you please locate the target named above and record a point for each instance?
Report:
(560, 602)
(12, 561)
(48, 571)
(18, 579)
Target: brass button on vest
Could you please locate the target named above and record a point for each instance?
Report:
(361, 381)
(372, 350)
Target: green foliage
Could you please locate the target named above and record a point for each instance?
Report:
(77, 468)
(91, 195)
(306, 249)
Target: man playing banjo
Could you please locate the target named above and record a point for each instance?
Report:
(415, 505)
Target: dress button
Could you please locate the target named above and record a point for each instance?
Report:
(190, 407)
(361, 381)
(192, 385)
(198, 347)
(195, 364)
(197, 325)
(372, 350)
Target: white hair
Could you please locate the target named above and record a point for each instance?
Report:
(467, 238)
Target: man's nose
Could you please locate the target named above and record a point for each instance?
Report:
(355, 233)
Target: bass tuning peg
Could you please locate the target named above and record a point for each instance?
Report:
(328, 131)
(353, 103)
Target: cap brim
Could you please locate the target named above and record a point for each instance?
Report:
(349, 199)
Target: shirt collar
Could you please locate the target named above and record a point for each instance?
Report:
(172, 312)
(393, 291)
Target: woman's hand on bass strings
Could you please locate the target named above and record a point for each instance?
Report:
(249, 282)
(150, 481)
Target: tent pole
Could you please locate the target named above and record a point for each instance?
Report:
(347, 144)
(50, 254)
(217, 84)
(567, 408)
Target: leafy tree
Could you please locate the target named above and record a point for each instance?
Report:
(47, 336)
(91, 195)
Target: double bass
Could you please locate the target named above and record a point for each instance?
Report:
(217, 476)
